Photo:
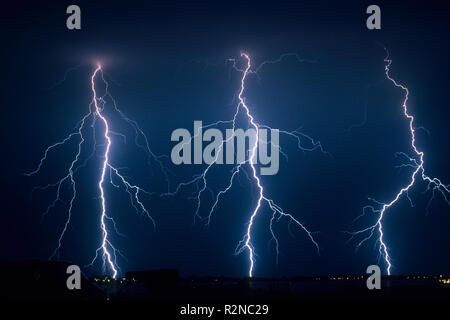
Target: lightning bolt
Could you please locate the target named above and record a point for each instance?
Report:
(201, 181)
(417, 163)
(106, 249)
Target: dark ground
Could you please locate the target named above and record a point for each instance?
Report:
(33, 280)
(163, 293)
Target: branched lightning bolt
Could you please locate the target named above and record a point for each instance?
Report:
(107, 250)
(200, 181)
(417, 163)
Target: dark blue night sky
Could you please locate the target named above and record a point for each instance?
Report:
(166, 66)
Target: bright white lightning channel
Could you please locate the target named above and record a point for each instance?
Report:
(106, 250)
(245, 245)
(417, 163)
